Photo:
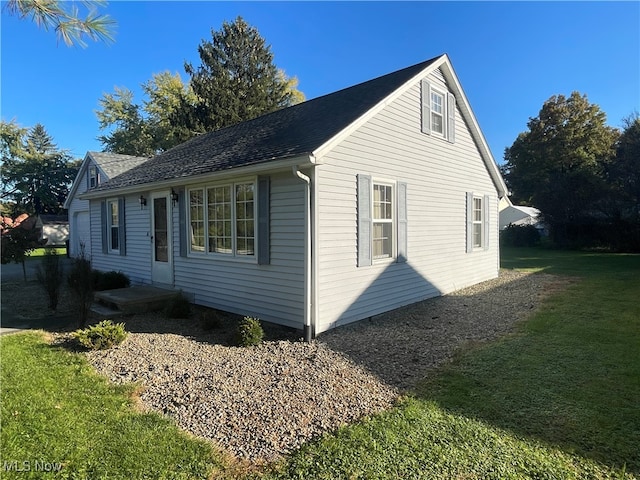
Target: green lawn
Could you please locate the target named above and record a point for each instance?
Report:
(557, 400)
(57, 413)
(39, 252)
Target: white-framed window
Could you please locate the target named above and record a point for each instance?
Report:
(478, 227)
(478, 219)
(93, 177)
(113, 226)
(196, 215)
(222, 219)
(383, 221)
(437, 112)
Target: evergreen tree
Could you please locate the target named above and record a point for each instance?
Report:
(64, 18)
(36, 174)
(236, 81)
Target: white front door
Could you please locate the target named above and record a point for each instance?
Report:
(161, 251)
(80, 234)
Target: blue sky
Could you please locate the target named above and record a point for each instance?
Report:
(509, 56)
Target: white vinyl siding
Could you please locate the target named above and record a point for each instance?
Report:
(437, 174)
(273, 292)
(137, 262)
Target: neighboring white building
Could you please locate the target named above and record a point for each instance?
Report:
(519, 215)
(321, 214)
(55, 229)
(96, 168)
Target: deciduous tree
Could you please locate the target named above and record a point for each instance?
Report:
(147, 128)
(558, 164)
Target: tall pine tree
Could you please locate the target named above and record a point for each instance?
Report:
(36, 174)
(237, 80)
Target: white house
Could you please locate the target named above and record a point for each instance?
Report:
(317, 215)
(55, 229)
(96, 168)
(519, 215)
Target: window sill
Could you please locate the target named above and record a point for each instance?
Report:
(213, 257)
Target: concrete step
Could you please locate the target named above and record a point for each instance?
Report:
(139, 299)
(105, 311)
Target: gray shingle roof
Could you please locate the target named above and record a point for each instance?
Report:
(114, 164)
(286, 133)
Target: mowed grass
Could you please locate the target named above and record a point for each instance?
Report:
(559, 400)
(39, 252)
(56, 413)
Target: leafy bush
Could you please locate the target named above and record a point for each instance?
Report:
(519, 236)
(250, 332)
(110, 280)
(50, 275)
(104, 335)
(178, 307)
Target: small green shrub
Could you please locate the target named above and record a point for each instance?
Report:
(210, 320)
(178, 307)
(250, 332)
(110, 280)
(104, 335)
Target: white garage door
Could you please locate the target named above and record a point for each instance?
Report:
(81, 234)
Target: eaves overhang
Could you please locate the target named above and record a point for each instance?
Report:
(281, 164)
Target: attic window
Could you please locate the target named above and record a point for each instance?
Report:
(93, 177)
(437, 112)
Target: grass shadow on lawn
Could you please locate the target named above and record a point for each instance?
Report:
(571, 378)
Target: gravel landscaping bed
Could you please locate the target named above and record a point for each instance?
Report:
(263, 402)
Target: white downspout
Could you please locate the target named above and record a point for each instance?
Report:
(308, 329)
